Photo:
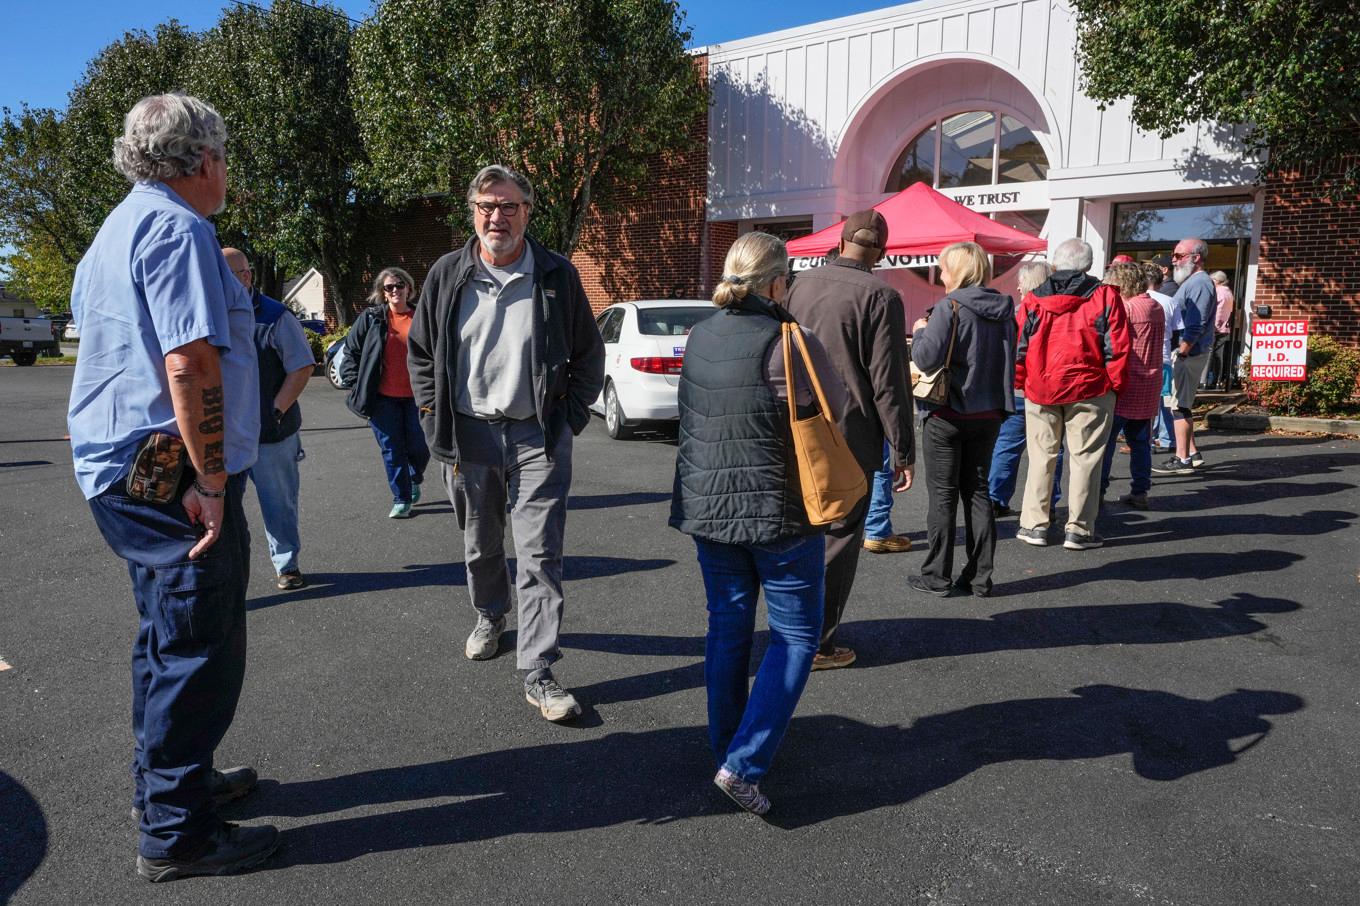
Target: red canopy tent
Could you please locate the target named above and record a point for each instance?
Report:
(921, 222)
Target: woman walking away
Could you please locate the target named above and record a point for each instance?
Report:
(972, 330)
(375, 367)
(737, 493)
(1137, 406)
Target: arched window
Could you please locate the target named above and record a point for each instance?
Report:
(977, 148)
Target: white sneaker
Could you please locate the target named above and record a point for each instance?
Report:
(485, 639)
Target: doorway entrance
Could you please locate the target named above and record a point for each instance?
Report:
(1144, 230)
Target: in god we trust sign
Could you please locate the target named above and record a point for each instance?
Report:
(1279, 349)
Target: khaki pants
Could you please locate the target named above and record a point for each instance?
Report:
(1086, 427)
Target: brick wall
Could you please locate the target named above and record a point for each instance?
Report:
(413, 238)
(1309, 263)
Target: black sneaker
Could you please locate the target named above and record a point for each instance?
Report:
(1174, 465)
(1196, 460)
(230, 849)
(1036, 536)
(224, 786)
(1002, 511)
(1077, 541)
(921, 583)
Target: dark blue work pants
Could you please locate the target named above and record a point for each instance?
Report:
(188, 661)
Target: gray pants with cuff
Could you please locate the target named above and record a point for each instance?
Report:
(504, 462)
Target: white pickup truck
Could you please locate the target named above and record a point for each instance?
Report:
(22, 339)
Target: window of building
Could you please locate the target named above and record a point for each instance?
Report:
(786, 229)
(977, 148)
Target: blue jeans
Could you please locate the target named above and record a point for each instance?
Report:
(1165, 435)
(275, 474)
(1138, 435)
(745, 729)
(878, 517)
(1010, 443)
(188, 660)
(396, 425)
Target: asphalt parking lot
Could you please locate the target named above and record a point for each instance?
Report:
(1171, 719)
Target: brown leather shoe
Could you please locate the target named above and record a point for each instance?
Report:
(843, 657)
(290, 580)
(893, 544)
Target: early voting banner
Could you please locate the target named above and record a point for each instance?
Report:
(1279, 349)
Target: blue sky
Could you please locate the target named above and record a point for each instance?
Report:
(48, 42)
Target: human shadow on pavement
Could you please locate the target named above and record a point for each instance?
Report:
(1153, 623)
(330, 585)
(1128, 527)
(606, 501)
(830, 766)
(883, 642)
(1157, 568)
(23, 836)
(847, 767)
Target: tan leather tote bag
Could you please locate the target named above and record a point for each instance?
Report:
(831, 478)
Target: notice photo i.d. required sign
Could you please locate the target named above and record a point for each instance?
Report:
(1279, 349)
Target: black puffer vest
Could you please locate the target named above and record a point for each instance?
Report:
(267, 313)
(736, 478)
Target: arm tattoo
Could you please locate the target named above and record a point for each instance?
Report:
(212, 459)
(212, 411)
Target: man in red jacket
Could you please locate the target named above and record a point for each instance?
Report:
(1070, 358)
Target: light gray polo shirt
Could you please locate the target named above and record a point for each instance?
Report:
(495, 341)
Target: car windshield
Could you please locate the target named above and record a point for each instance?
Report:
(671, 322)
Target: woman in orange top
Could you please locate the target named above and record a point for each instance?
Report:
(375, 369)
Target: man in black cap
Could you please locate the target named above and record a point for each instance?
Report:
(860, 321)
(1169, 285)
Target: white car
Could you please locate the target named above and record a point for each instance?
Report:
(644, 346)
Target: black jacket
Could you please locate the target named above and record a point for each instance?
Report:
(982, 370)
(363, 364)
(567, 353)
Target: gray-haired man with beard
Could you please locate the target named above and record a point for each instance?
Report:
(505, 360)
(1197, 301)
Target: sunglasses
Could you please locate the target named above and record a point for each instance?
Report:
(508, 208)
(393, 287)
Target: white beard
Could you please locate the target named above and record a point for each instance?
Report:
(1181, 272)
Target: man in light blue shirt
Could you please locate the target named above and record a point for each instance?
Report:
(1196, 300)
(167, 347)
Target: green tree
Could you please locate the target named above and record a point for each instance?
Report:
(577, 94)
(38, 205)
(280, 79)
(137, 65)
(1286, 70)
(40, 273)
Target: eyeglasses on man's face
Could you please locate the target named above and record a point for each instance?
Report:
(1181, 256)
(393, 287)
(507, 208)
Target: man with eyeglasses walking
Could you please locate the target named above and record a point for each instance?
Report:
(505, 360)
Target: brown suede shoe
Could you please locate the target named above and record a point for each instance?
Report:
(843, 657)
(893, 544)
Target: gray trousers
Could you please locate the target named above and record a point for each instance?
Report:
(502, 463)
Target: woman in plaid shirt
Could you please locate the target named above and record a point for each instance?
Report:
(1138, 404)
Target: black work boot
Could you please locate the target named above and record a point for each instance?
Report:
(230, 849)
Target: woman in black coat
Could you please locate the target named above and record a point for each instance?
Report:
(978, 323)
